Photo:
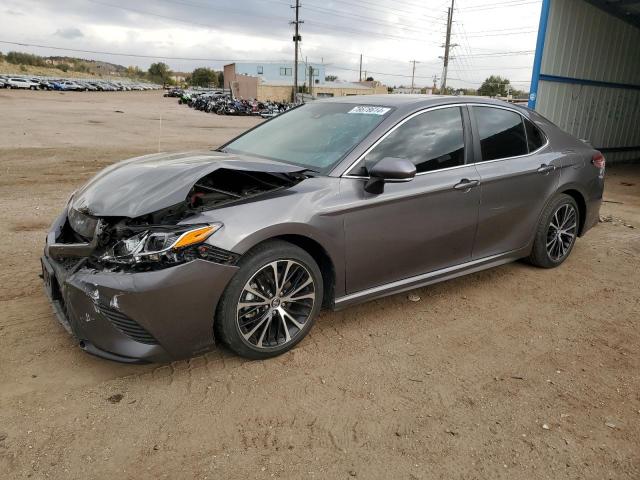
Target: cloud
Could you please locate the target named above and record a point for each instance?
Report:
(334, 32)
(69, 33)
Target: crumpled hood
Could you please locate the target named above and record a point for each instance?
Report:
(144, 185)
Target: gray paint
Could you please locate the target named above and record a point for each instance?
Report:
(143, 185)
(413, 234)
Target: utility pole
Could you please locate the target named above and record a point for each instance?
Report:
(435, 83)
(360, 75)
(447, 47)
(413, 74)
(296, 38)
(310, 80)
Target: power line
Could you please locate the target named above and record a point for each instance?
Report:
(120, 54)
(377, 6)
(349, 15)
(502, 67)
(495, 6)
(343, 30)
(464, 61)
(502, 34)
(388, 74)
(498, 30)
(501, 54)
(173, 19)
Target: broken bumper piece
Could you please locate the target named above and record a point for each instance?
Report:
(138, 317)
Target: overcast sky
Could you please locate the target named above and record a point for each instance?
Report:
(388, 34)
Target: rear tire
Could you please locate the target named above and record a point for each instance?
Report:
(272, 301)
(556, 232)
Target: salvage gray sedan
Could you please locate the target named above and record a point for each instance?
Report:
(330, 204)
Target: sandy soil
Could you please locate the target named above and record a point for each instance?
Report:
(515, 372)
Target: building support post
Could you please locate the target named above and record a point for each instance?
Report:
(537, 61)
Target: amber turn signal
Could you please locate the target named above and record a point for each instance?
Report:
(196, 236)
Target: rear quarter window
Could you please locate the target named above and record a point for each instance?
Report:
(535, 137)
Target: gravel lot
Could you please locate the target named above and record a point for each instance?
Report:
(515, 372)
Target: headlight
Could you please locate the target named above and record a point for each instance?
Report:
(82, 224)
(157, 246)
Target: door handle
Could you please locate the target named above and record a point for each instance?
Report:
(465, 184)
(545, 169)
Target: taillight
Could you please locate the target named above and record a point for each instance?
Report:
(598, 160)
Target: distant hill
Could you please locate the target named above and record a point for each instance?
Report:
(93, 66)
(26, 63)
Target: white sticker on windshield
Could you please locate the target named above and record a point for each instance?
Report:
(369, 110)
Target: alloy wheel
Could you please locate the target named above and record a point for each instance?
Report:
(562, 232)
(275, 304)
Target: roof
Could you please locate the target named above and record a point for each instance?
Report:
(409, 100)
(627, 10)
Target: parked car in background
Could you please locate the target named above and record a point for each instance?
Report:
(89, 87)
(158, 257)
(68, 84)
(24, 83)
(44, 84)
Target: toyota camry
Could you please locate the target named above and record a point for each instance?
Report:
(333, 203)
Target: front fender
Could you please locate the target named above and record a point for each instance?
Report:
(330, 238)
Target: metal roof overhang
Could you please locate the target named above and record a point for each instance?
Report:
(627, 10)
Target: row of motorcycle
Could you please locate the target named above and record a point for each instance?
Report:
(222, 103)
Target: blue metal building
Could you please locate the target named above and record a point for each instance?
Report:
(586, 73)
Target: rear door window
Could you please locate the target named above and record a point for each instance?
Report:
(502, 133)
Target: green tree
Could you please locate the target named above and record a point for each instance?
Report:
(330, 78)
(494, 86)
(446, 91)
(159, 73)
(80, 67)
(62, 66)
(133, 71)
(19, 58)
(204, 77)
(369, 79)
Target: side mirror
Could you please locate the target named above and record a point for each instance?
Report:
(389, 170)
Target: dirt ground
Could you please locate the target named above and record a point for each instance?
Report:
(515, 372)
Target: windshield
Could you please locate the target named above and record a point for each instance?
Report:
(316, 136)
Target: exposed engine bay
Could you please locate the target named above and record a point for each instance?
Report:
(155, 240)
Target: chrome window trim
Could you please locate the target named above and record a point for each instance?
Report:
(439, 107)
(523, 118)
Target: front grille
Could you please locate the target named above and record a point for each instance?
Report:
(127, 325)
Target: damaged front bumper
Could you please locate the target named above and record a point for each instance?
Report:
(136, 317)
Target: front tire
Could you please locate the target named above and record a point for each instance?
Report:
(556, 233)
(272, 301)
